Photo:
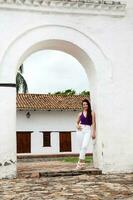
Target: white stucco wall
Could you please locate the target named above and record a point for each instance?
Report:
(104, 45)
(37, 143)
(46, 121)
(53, 121)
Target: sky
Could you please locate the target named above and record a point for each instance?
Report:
(51, 71)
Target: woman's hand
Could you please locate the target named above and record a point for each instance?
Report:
(93, 135)
(79, 127)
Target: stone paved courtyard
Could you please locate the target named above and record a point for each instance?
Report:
(88, 187)
(93, 187)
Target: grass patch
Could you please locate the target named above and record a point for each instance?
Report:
(71, 159)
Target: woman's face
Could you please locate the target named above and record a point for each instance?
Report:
(85, 106)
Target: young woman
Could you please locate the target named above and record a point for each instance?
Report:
(86, 129)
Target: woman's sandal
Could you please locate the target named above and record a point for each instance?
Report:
(80, 166)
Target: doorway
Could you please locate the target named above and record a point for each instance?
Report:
(23, 142)
(65, 141)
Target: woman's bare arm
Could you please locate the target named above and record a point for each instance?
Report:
(93, 125)
(78, 121)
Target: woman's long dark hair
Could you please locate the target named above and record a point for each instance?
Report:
(89, 108)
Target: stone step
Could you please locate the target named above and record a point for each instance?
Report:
(71, 173)
(36, 174)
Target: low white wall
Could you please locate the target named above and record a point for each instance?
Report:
(54, 121)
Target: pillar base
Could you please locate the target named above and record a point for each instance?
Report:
(9, 171)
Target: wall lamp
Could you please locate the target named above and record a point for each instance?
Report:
(28, 114)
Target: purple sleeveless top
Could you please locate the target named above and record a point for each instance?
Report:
(85, 120)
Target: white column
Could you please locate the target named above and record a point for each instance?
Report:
(7, 131)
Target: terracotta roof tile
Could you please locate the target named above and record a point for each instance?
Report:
(49, 102)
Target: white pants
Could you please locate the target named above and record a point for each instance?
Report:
(84, 137)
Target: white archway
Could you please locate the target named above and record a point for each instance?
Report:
(48, 37)
(55, 37)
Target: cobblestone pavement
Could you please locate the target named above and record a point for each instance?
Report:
(93, 187)
(86, 187)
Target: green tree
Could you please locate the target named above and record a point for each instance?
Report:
(84, 93)
(66, 92)
(69, 92)
(72, 92)
(57, 93)
(21, 84)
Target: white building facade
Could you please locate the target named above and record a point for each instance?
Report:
(99, 34)
(55, 123)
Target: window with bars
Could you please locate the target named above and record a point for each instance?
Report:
(46, 139)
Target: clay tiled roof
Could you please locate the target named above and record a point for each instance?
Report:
(49, 102)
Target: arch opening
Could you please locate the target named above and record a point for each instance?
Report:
(74, 51)
(21, 115)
